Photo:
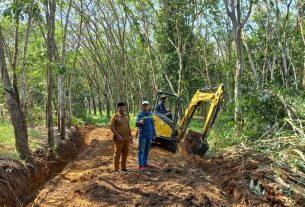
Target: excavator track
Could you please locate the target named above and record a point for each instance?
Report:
(168, 144)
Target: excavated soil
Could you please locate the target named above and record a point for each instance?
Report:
(172, 180)
(20, 180)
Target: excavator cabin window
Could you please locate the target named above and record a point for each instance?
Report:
(168, 105)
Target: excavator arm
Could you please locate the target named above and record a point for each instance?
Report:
(214, 96)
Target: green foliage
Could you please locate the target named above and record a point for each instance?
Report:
(264, 117)
(35, 115)
(7, 141)
(223, 132)
(61, 69)
(261, 111)
(77, 121)
(36, 138)
(98, 120)
(20, 11)
(175, 31)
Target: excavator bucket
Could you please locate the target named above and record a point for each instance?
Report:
(193, 143)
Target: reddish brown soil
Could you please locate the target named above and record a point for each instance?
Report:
(19, 180)
(171, 181)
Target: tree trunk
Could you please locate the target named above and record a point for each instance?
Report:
(107, 99)
(235, 13)
(206, 64)
(69, 118)
(16, 49)
(303, 39)
(238, 74)
(61, 81)
(89, 105)
(12, 98)
(25, 50)
(50, 54)
(273, 68)
(180, 71)
(61, 106)
(293, 69)
(303, 84)
(285, 64)
(230, 50)
(94, 104)
(256, 78)
(49, 111)
(100, 104)
(134, 106)
(108, 108)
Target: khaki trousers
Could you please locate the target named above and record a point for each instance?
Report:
(121, 149)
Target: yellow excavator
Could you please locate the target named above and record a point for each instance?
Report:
(171, 131)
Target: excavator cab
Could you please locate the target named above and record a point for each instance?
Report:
(173, 103)
(166, 128)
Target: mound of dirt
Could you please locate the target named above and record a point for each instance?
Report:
(19, 180)
(14, 178)
(236, 173)
(242, 174)
(249, 178)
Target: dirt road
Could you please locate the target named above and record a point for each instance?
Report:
(172, 181)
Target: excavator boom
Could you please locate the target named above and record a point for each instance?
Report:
(213, 95)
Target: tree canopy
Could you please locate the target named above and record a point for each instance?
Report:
(68, 57)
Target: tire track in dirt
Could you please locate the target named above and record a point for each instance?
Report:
(89, 180)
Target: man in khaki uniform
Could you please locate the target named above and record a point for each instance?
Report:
(121, 136)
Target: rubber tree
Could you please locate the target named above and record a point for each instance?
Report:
(301, 22)
(234, 11)
(61, 77)
(13, 102)
(50, 15)
(176, 37)
(24, 58)
(78, 32)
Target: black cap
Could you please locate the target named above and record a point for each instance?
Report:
(121, 103)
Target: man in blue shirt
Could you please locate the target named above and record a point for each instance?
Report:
(147, 133)
(161, 108)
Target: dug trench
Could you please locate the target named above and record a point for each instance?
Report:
(20, 181)
(172, 180)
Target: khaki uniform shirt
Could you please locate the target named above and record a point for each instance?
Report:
(121, 125)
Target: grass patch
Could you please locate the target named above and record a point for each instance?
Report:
(97, 120)
(7, 139)
(103, 121)
(36, 138)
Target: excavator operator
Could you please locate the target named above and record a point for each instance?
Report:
(162, 109)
